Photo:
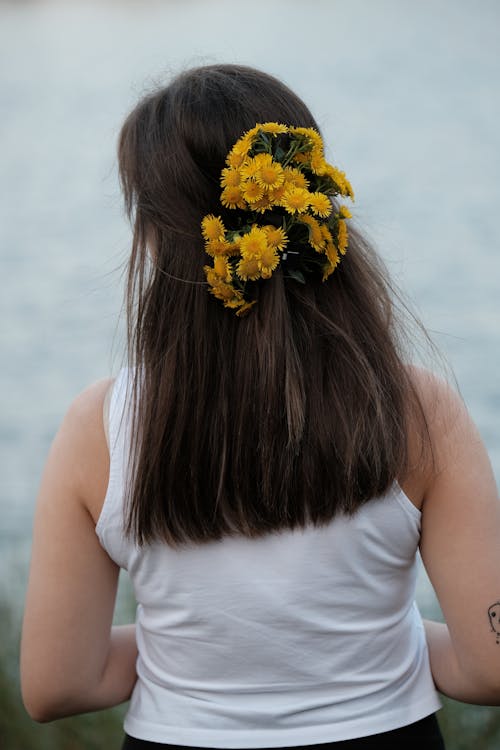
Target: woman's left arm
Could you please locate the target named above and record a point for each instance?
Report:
(72, 659)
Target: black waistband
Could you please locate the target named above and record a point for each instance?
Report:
(421, 734)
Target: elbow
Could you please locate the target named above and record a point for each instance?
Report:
(40, 709)
(490, 690)
(43, 706)
(44, 711)
(36, 695)
(46, 693)
(484, 688)
(40, 714)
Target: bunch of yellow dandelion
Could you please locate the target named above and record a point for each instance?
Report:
(277, 179)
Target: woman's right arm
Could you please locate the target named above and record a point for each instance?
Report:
(460, 548)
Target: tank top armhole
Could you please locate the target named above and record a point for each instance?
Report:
(115, 416)
(405, 502)
(105, 411)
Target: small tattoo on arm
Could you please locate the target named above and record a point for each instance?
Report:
(494, 618)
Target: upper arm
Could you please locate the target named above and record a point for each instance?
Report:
(72, 582)
(460, 542)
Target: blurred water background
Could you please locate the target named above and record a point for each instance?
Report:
(407, 96)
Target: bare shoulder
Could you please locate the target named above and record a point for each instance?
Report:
(86, 408)
(440, 400)
(439, 416)
(459, 456)
(80, 454)
(446, 415)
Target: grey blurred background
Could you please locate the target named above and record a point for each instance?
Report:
(407, 95)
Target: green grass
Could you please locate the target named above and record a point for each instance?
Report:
(467, 727)
(94, 731)
(464, 727)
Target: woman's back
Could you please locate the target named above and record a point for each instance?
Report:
(320, 635)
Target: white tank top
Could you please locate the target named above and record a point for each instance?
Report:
(296, 638)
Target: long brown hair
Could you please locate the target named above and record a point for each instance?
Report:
(298, 411)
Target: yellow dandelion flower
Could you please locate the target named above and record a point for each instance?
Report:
(231, 197)
(295, 178)
(232, 248)
(244, 144)
(329, 268)
(342, 238)
(252, 191)
(227, 293)
(265, 203)
(303, 157)
(222, 268)
(311, 134)
(331, 253)
(251, 166)
(230, 177)
(320, 205)
(212, 277)
(217, 247)
(344, 212)
(333, 260)
(248, 269)
(348, 191)
(235, 158)
(327, 235)
(275, 128)
(334, 173)
(296, 200)
(212, 227)
(247, 138)
(220, 289)
(269, 260)
(275, 195)
(270, 174)
(340, 180)
(245, 307)
(236, 303)
(253, 243)
(316, 238)
(242, 147)
(276, 237)
(318, 163)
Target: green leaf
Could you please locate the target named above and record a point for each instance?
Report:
(297, 276)
(279, 153)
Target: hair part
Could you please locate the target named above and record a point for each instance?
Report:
(285, 417)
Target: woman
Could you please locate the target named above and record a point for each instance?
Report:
(274, 464)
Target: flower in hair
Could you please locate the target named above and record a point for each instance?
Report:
(281, 190)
